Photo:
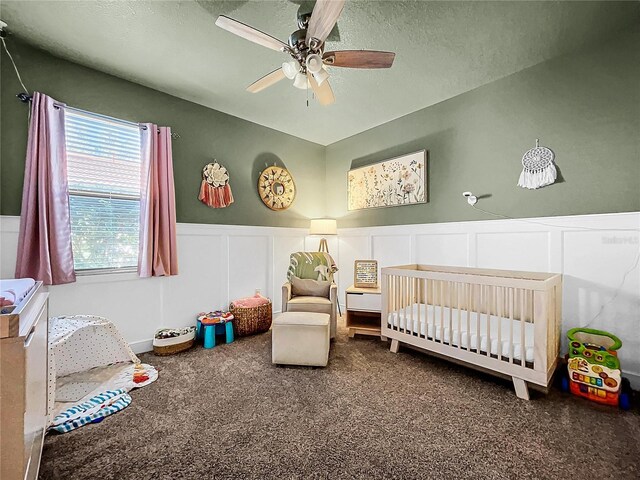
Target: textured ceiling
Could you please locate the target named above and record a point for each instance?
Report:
(443, 49)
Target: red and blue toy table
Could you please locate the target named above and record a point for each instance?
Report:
(212, 325)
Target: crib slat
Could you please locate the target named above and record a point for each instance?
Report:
(434, 307)
(511, 320)
(412, 302)
(499, 313)
(398, 304)
(404, 303)
(426, 307)
(459, 313)
(450, 285)
(441, 301)
(523, 310)
(489, 302)
(397, 297)
(407, 303)
(478, 312)
(469, 303)
(416, 301)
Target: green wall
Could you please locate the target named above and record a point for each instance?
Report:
(584, 106)
(245, 148)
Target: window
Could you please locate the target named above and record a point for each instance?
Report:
(103, 167)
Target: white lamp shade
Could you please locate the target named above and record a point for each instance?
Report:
(290, 69)
(300, 81)
(323, 226)
(320, 76)
(314, 63)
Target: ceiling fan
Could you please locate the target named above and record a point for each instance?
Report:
(306, 47)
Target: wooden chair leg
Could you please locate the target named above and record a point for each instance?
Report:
(522, 391)
(395, 345)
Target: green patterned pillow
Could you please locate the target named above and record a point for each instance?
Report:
(311, 265)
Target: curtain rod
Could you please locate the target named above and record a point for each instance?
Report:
(26, 98)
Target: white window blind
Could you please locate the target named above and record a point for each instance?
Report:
(103, 165)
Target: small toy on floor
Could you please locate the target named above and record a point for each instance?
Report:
(213, 324)
(139, 374)
(594, 368)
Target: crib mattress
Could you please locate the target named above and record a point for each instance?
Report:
(432, 329)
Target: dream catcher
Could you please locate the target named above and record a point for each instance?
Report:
(538, 168)
(215, 190)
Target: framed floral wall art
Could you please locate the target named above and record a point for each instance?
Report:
(397, 181)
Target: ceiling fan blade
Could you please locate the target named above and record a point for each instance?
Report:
(359, 59)
(323, 92)
(266, 81)
(323, 18)
(250, 33)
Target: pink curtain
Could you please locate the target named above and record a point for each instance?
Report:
(44, 242)
(158, 247)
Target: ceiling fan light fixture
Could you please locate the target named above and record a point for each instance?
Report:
(300, 81)
(290, 69)
(314, 63)
(320, 76)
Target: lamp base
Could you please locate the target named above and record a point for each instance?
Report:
(323, 247)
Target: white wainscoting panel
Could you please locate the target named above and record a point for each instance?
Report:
(283, 247)
(249, 259)
(135, 305)
(592, 251)
(201, 258)
(443, 249)
(350, 249)
(391, 249)
(217, 263)
(527, 251)
(595, 253)
(594, 266)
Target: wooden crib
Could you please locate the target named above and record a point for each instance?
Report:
(501, 321)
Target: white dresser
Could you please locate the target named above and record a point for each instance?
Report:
(23, 390)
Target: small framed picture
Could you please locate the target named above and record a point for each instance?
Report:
(365, 274)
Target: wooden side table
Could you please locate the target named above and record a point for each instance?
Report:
(363, 311)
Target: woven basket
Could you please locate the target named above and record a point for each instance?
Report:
(171, 345)
(171, 349)
(251, 320)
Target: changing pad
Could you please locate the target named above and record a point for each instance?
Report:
(13, 291)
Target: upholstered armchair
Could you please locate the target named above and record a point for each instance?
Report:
(310, 286)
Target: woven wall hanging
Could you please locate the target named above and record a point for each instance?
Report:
(538, 169)
(215, 190)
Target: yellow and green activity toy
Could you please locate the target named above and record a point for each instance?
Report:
(594, 368)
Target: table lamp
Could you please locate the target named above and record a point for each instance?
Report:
(323, 226)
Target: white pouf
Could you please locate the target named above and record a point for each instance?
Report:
(300, 338)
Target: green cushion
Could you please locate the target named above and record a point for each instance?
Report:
(311, 265)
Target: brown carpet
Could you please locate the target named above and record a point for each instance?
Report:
(228, 413)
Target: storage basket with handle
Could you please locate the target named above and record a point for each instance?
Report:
(252, 320)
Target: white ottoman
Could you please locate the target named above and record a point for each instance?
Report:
(300, 338)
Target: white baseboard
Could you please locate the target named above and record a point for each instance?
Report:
(142, 346)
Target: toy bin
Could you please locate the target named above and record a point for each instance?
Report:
(594, 368)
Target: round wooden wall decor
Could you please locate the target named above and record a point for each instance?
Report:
(276, 188)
